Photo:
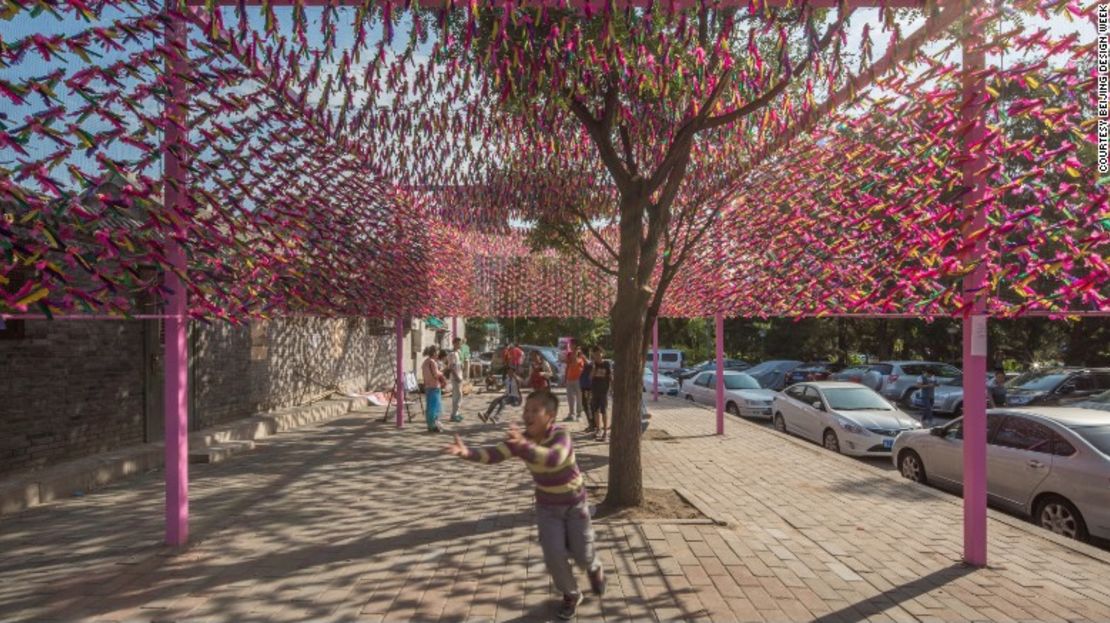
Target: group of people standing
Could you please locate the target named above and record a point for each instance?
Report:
(440, 367)
(588, 382)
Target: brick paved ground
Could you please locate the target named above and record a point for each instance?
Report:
(353, 520)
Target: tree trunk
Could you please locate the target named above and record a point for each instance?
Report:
(628, 319)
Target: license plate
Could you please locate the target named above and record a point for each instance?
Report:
(888, 444)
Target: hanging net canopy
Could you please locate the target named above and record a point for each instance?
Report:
(367, 159)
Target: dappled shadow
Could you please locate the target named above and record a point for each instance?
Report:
(877, 606)
(880, 487)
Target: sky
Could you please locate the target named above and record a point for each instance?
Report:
(23, 25)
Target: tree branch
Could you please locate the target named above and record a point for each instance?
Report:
(599, 130)
(771, 94)
(629, 157)
(685, 136)
(580, 248)
(593, 230)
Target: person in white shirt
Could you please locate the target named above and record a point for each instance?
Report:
(454, 373)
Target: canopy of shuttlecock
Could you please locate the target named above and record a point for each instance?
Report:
(384, 158)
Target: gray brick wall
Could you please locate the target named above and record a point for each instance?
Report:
(73, 388)
(245, 369)
(69, 389)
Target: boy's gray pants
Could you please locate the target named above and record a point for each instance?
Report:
(566, 532)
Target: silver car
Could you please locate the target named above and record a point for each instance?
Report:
(844, 417)
(743, 395)
(1051, 464)
(899, 378)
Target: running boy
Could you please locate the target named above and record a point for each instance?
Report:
(561, 511)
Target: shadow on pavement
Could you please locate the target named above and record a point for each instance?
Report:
(877, 605)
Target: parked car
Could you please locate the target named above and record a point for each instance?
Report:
(853, 374)
(900, 378)
(1100, 402)
(1051, 464)
(844, 417)
(667, 385)
(683, 374)
(773, 374)
(812, 371)
(1057, 386)
(743, 395)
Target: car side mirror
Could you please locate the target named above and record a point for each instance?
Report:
(820, 406)
(1066, 388)
(937, 431)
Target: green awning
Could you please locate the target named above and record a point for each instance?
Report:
(435, 323)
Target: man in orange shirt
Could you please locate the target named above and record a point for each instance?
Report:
(576, 361)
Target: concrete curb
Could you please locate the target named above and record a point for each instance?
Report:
(994, 515)
(206, 446)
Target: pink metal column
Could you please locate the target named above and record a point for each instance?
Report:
(399, 392)
(720, 335)
(175, 187)
(655, 361)
(975, 322)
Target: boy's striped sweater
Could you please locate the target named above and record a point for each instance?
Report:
(551, 461)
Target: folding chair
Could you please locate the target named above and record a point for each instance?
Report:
(411, 387)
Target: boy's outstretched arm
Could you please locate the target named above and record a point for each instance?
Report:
(490, 454)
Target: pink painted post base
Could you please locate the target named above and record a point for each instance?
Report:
(719, 323)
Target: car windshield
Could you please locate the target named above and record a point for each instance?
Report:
(1038, 381)
(740, 381)
(1097, 436)
(855, 399)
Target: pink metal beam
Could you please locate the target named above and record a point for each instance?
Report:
(399, 395)
(655, 361)
(975, 325)
(175, 183)
(595, 5)
(719, 324)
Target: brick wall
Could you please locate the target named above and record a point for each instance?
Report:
(73, 388)
(242, 370)
(69, 389)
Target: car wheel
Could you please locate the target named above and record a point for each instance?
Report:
(911, 466)
(689, 398)
(780, 423)
(732, 409)
(832, 442)
(1060, 516)
(906, 397)
(958, 411)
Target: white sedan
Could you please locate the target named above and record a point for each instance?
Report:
(667, 385)
(743, 395)
(843, 417)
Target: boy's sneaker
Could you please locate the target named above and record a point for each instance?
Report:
(485, 418)
(569, 418)
(570, 606)
(597, 581)
(456, 418)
